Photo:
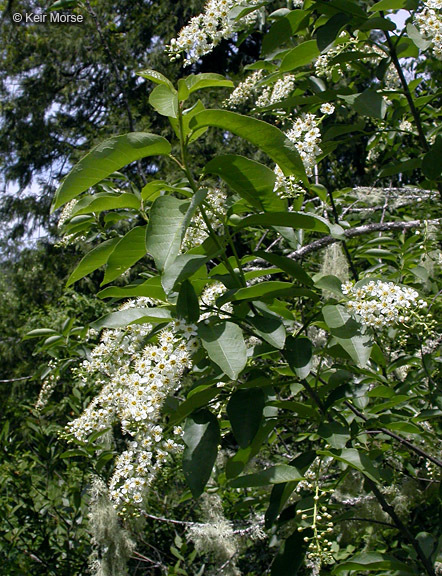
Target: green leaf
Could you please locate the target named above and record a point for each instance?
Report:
(283, 29)
(355, 459)
(164, 100)
(271, 329)
(274, 475)
(224, 343)
(201, 436)
(296, 220)
(431, 164)
(207, 80)
(244, 410)
(265, 289)
(290, 556)
(335, 434)
(416, 37)
(104, 201)
(299, 56)
(187, 306)
(196, 400)
(156, 77)
(346, 331)
(236, 464)
(370, 103)
(325, 35)
(377, 23)
(400, 167)
(330, 283)
(298, 353)
(39, 332)
(267, 138)
(132, 316)
(385, 5)
(105, 159)
(165, 229)
(289, 266)
(151, 288)
(251, 180)
(93, 260)
(368, 561)
(184, 266)
(129, 250)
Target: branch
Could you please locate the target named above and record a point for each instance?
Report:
(15, 379)
(358, 231)
(395, 436)
(386, 507)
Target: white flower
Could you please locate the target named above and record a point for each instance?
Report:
(327, 108)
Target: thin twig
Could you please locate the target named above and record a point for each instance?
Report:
(386, 507)
(16, 379)
(395, 436)
(359, 231)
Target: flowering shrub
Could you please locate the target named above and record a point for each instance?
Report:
(252, 359)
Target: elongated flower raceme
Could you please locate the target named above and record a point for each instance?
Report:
(205, 31)
(136, 379)
(429, 22)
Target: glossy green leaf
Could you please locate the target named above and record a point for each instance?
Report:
(103, 201)
(289, 266)
(266, 137)
(105, 159)
(126, 253)
(184, 266)
(156, 77)
(39, 332)
(132, 316)
(196, 400)
(251, 180)
(385, 5)
(265, 289)
(283, 29)
(330, 283)
(355, 459)
(187, 306)
(299, 56)
(224, 343)
(296, 220)
(432, 164)
(151, 288)
(244, 410)
(201, 436)
(335, 434)
(326, 34)
(93, 260)
(290, 556)
(271, 329)
(370, 103)
(236, 464)
(298, 353)
(165, 229)
(197, 82)
(346, 331)
(274, 475)
(164, 100)
(373, 561)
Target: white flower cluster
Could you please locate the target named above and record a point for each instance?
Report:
(278, 92)
(47, 387)
(197, 232)
(209, 296)
(323, 64)
(380, 304)
(430, 24)
(244, 91)
(406, 126)
(306, 136)
(136, 380)
(205, 31)
(66, 213)
(286, 186)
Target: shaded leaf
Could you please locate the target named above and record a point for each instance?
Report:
(244, 410)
